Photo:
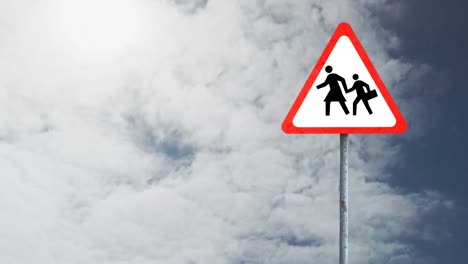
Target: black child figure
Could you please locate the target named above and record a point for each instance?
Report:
(361, 94)
(335, 94)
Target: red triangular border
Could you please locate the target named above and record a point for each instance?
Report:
(344, 29)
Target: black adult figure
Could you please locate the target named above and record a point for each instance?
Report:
(335, 94)
(361, 94)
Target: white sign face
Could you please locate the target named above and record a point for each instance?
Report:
(344, 94)
(345, 62)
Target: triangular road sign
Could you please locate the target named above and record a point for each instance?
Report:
(344, 94)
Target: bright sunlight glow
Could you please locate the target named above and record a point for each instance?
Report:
(99, 27)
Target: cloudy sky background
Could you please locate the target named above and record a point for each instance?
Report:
(149, 132)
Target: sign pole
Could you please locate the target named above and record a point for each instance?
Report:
(344, 198)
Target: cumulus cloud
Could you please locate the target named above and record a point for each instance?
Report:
(160, 141)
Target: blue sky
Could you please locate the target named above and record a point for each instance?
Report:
(435, 32)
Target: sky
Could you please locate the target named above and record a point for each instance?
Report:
(437, 159)
(149, 131)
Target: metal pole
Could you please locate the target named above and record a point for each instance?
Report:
(344, 199)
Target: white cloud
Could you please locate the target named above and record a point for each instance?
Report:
(169, 150)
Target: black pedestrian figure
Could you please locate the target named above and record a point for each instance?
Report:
(362, 94)
(335, 94)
